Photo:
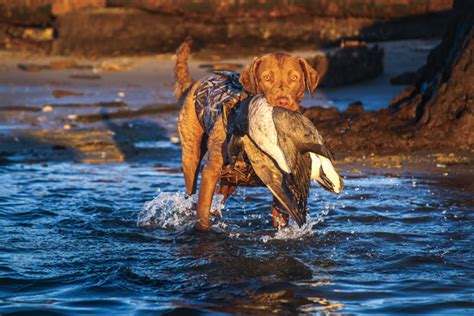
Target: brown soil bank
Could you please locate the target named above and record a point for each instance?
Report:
(435, 113)
(114, 27)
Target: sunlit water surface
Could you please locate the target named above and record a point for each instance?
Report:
(80, 238)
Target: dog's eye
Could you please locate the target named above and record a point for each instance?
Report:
(266, 77)
(294, 77)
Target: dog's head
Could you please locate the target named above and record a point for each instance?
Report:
(281, 77)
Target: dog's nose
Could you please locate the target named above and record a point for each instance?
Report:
(282, 101)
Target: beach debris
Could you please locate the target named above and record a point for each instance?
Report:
(19, 108)
(54, 65)
(47, 108)
(85, 77)
(65, 93)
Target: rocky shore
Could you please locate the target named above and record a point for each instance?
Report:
(98, 110)
(113, 27)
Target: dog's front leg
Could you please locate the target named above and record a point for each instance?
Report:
(211, 173)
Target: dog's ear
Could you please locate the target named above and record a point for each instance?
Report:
(248, 77)
(311, 77)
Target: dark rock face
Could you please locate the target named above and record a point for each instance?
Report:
(279, 8)
(100, 27)
(350, 64)
(435, 113)
(442, 100)
(115, 31)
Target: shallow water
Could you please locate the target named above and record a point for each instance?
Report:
(80, 238)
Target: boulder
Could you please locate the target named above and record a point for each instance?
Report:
(349, 64)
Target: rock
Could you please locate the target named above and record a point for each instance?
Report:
(348, 65)
(26, 12)
(121, 27)
(355, 108)
(406, 78)
(442, 99)
(272, 8)
(65, 6)
(39, 35)
(117, 31)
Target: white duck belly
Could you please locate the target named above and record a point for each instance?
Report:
(263, 132)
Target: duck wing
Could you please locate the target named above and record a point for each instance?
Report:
(292, 195)
(297, 134)
(302, 132)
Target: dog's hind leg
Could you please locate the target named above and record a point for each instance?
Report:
(211, 173)
(192, 142)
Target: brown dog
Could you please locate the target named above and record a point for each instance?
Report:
(281, 77)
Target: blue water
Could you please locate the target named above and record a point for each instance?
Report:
(117, 238)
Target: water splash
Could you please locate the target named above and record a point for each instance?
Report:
(292, 231)
(168, 210)
(173, 210)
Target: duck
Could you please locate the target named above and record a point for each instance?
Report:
(282, 133)
(286, 151)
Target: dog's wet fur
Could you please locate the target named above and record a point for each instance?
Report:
(281, 77)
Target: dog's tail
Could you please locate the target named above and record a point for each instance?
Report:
(181, 69)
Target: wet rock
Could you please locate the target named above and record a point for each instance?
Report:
(355, 108)
(348, 65)
(406, 78)
(442, 100)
